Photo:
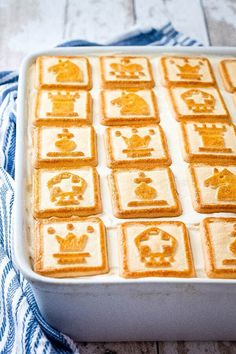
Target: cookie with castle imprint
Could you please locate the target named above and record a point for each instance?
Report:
(124, 72)
(136, 146)
(60, 72)
(213, 188)
(64, 107)
(66, 192)
(60, 147)
(219, 247)
(183, 70)
(208, 142)
(70, 247)
(130, 106)
(155, 249)
(198, 104)
(144, 193)
(228, 73)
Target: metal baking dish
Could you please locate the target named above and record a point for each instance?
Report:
(108, 307)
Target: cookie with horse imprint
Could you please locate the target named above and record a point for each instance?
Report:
(126, 107)
(128, 71)
(63, 72)
(63, 107)
(66, 192)
(213, 188)
(70, 247)
(155, 249)
(144, 193)
(198, 104)
(219, 247)
(179, 70)
(72, 146)
(208, 142)
(136, 146)
(228, 73)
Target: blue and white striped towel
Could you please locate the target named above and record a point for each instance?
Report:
(22, 328)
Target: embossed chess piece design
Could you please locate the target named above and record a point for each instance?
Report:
(199, 101)
(146, 194)
(232, 249)
(66, 145)
(156, 247)
(137, 146)
(63, 104)
(225, 182)
(212, 138)
(66, 71)
(66, 189)
(131, 104)
(71, 246)
(188, 71)
(126, 70)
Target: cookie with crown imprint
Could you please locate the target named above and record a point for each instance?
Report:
(228, 74)
(144, 193)
(128, 71)
(63, 72)
(208, 142)
(213, 188)
(198, 104)
(63, 107)
(219, 247)
(183, 70)
(66, 192)
(130, 106)
(70, 247)
(155, 249)
(136, 146)
(72, 146)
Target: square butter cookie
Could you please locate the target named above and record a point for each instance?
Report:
(213, 188)
(63, 72)
(70, 247)
(63, 107)
(128, 71)
(66, 192)
(59, 147)
(198, 103)
(136, 146)
(209, 143)
(219, 246)
(121, 107)
(144, 193)
(179, 70)
(155, 249)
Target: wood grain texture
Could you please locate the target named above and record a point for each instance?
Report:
(118, 348)
(197, 347)
(180, 12)
(106, 19)
(27, 26)
(221, 21)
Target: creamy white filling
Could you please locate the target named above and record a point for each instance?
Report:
(179, 167)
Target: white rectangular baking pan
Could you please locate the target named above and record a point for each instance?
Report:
(108, 307)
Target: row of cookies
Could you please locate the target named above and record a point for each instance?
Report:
(205, 139)
(65, 180)
(141, 183)
(78, 247)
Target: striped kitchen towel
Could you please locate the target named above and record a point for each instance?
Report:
(22, 328)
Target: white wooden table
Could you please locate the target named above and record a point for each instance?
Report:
(27, 25)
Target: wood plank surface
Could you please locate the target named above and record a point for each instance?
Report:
(221, 21)
(29, 25)
(119, 348)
